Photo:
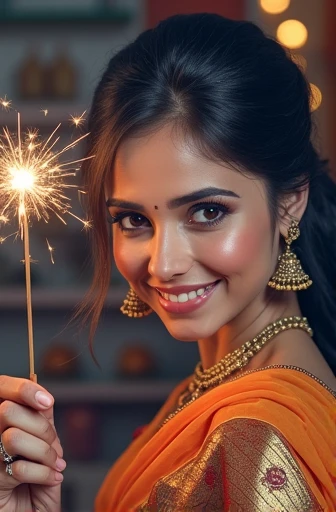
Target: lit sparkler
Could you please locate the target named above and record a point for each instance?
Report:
(32, 184)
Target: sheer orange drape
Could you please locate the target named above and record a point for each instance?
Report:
(295, 404)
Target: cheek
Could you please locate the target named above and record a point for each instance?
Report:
(128, 261)
(246, 250)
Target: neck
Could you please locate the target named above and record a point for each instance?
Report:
(245, 326)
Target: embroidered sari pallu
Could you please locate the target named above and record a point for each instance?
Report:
(265, 441)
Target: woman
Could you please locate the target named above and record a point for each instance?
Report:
(223, 221)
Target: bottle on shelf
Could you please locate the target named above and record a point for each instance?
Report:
(61, 77)
(31, 77)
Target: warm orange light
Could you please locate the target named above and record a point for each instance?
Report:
(274, 6)
(292, 33)
(316, 97)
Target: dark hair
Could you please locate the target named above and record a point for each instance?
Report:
(240, 97)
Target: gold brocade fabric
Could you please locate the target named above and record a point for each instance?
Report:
(244, 466)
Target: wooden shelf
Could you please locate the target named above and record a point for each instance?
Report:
(128, 392)
(75, 18)
(60, 299)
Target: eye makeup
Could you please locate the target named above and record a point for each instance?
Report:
(137, 221)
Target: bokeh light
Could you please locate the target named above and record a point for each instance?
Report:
(316, 97)
(274, 6)
(292, 33)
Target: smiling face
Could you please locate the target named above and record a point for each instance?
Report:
(192, 237)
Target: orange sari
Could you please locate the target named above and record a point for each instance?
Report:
(263, 441)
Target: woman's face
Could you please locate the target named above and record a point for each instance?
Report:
(192, 237)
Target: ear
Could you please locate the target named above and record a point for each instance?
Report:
(292, 207)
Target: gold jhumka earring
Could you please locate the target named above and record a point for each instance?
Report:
(289, 274)
(134, 307)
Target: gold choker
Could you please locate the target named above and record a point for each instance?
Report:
(234, 361)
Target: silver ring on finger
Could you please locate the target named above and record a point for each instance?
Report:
(8, 459)
(9, 469)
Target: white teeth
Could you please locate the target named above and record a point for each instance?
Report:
(184, 297)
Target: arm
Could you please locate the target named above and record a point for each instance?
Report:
(244, 465)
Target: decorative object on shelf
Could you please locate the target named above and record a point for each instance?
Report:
(61, 77)
(136, 361)
(81, 432)
(56, 80)
(31, 77)
(60, 361)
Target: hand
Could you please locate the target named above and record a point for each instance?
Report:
(27, 431)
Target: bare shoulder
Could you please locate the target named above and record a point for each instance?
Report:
(304, 353)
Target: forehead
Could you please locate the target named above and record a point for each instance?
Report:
(167, 164)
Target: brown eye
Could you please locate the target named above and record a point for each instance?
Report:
(206, 214)
(134, 221)
(211, 213)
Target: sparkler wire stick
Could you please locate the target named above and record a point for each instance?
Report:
(25, 234)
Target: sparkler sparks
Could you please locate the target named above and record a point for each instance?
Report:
(51, 250)
(32, 180)
(32, 184)
(78, 120)
(6, 104)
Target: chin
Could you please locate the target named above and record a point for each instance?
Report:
(189, 330)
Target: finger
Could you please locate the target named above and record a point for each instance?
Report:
(26, 419)
(25, 392)
(24, 471)
(58, 447)
(49, 415)
(20, 444)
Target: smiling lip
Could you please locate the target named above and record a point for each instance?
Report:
(190, 305)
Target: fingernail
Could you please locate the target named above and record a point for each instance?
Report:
(43, 399)
(59, 477)
(60, 464)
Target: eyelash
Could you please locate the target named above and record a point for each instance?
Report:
(205, 205)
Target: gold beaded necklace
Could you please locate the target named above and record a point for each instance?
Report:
(234, 361)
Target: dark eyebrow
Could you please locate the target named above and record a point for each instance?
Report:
(175, 203)
(200, 194)
(128, 205)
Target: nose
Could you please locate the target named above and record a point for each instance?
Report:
(170, 255)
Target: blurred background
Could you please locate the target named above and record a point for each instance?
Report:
(52, 55)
